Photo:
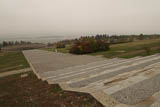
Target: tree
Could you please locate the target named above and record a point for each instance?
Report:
(5, 43)
(141, 37)
(147, 49)
(0, 47)
(89, 46)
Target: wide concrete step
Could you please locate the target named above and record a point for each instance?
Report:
(121, 83)
(133, 88)
(44, 61)
(136, 89)
(85, 81)
(79, 67)
(92, 67)
(102, 71)
(111, 82)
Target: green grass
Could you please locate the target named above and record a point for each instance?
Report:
(131, 49)
(12, 61)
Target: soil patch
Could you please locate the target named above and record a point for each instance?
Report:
(31, 92)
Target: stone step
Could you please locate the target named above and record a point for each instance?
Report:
(44, 61)
(107, 83)
(92, 68)
(136, 89)
(120, 82)
(79, 67)
(84, 69)
(147, 71)
(156, 98)
(93, 78)
(133, 78)
(108, 70)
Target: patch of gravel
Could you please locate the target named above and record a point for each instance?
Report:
(139, 92)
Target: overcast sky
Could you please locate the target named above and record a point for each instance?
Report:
(78, 17)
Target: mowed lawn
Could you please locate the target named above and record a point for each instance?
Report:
(132, 49)
(12, 61)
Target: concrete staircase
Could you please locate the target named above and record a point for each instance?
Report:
(114, 82)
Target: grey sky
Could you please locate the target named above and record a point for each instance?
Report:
(79, 17)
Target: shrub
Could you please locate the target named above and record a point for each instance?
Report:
(147, 49)
(0, 47)
(89, 46)
(60, 45)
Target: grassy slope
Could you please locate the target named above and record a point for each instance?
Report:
(12, 60)
(131, 49)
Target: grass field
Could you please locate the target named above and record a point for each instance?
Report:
(132, 49)
(125, 50)
(128, 50)
(12, 61)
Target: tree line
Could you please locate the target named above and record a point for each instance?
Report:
(12, 43)
(100, 42)
(114, 39)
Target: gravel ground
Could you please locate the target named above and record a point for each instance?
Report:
(139, 92)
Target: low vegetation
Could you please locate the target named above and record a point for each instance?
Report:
(19, 45)
(12, 43)
(125, 46)
(89, 46)
(126, 50)
(12, 61)
(132, 49)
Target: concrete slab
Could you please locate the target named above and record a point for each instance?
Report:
(44, 61)
(101, 70)
(114, 82)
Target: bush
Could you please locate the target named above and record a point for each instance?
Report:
(60, 45)
(147, 49)
(0, 47)
(89, 46)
